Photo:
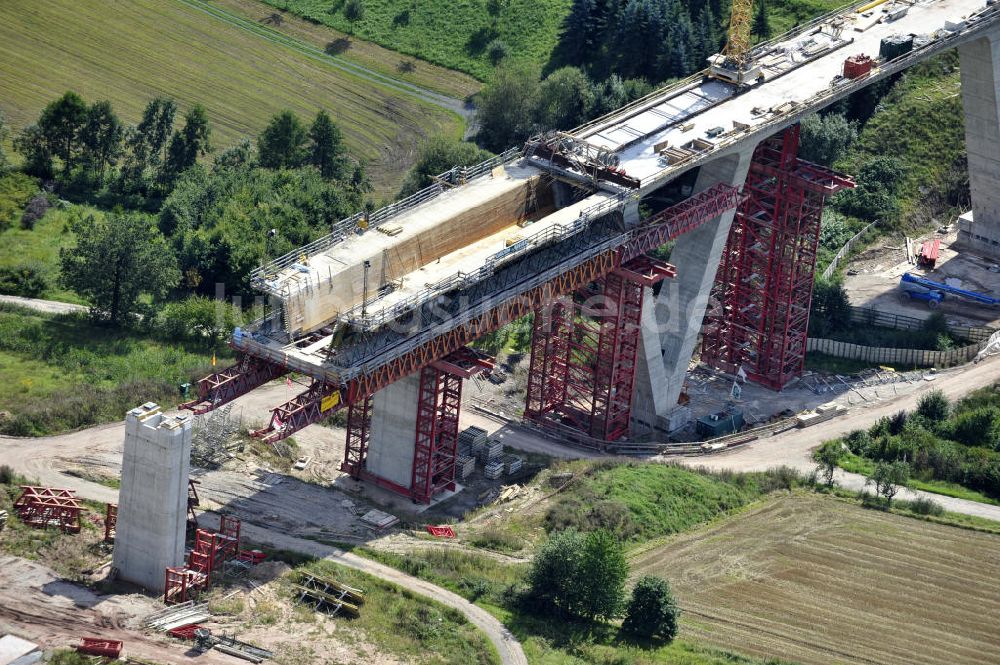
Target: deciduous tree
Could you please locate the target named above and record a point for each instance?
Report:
(889, 478)
(188, 144)
(116, 260)
(61, 123)
(828, 457)
(439, 154)
(282, 144)
(101, 139)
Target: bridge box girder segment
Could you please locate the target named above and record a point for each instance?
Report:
(763, 289)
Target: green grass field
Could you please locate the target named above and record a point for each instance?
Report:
(137, 50)
(452, 34)
(367, 54)
(64, 372)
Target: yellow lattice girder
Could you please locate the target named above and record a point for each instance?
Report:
(738, 46)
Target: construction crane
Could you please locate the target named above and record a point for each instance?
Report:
(733, 65)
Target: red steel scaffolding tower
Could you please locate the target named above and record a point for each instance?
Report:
(763, 289)
(584, 353)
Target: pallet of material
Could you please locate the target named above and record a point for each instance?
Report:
(491, 452)
(493, 470)
(512, 463)
(378, 519)
(821, 414)
(471, 440)
(465, 466)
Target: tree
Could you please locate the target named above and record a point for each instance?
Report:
(61, 123)
(187, 144)
(889, 478)
(326, 148)
(824, 139)
(506, 113)
(652, 611)
(934, 406)
(603, 571)
(827, 457)
(101, 139)
(436, 156)
(282, 144)
(4, 164)
(31, 143)
(830, 310)
(565, 100)
(580, 575)
(156, 126)
(761, 25)
(354, 11)
(116, 260)
(496, 51)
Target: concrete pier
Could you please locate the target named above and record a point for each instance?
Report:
(394, 428)
(672, 320)
(979, 230)
(152, 503)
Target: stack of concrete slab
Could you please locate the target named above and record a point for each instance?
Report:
(492, 451)
(464, 466)
(471, 441)
(493, 470)
(512, 463)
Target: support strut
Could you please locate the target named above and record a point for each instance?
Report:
(224, 386)
(763, 290)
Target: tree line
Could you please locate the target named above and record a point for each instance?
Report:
(179, 225)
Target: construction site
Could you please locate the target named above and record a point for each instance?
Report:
(362, 412)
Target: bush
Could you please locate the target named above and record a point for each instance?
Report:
(933, 406)
(652, 611)
(16, 189)
(496, 51)
(923, 506)
(27, 281)
(35, 210)
(198, 318)
(977, 427)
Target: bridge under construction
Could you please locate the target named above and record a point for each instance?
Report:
(379, 314)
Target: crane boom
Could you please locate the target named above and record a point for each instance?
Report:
(733, 64)
(738, 47)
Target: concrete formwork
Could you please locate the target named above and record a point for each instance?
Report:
(152, 503)
(672, 319)
(980, 65)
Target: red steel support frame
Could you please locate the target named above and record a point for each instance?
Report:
(655, 231)
(110, 522)
(763, 289)
(439, 401)
(583, 357)
(238, 379)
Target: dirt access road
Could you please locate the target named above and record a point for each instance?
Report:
(794, 447)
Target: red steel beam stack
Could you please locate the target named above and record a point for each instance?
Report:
(42, 507)
(98, 646)
(763, 289)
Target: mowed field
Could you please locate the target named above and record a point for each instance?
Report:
(130, 52)
(812, 579)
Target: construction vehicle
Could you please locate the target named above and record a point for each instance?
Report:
(733, 65)
(933, 293)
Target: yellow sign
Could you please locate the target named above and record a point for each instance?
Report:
(330, 401)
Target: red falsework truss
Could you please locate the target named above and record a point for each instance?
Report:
(43, 507)
(226, 385)
(584, 354)
(763, 289)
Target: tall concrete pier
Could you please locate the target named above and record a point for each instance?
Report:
(152, 504)
(672, 320)
(979, 230)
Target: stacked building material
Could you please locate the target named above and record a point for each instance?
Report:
(491, 452)
(464, 466)
(512, 464)
(493, 470)
(471, 440)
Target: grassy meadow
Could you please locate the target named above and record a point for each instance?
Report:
(451, 34)
(138, 50)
